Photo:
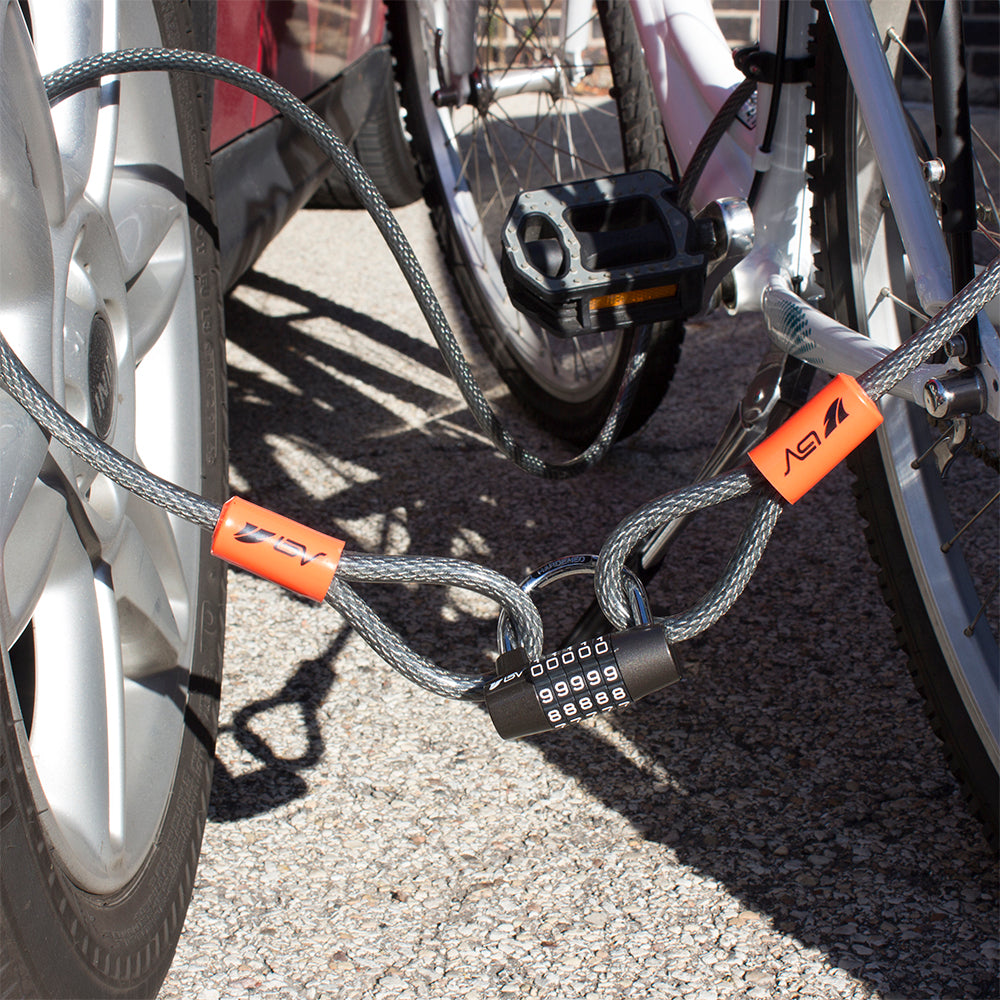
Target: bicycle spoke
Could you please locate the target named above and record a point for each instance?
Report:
(548, 145)
(946, 546)
(971, 627)
(493, 154)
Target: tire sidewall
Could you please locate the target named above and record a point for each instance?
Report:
(58, 940)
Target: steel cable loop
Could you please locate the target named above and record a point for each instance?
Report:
(738, 573)
(83, 72)
(366, 568)
(388, 644)
(609, 584)
(653, 515)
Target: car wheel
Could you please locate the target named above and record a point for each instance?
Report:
(111, 611)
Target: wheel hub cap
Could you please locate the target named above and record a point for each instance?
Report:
(101, 372)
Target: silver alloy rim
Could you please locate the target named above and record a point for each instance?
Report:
(953, 584)
(98, 300)
(519, 141)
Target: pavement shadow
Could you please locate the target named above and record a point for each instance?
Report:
(273, 779)
(793, 764)
(805, 800)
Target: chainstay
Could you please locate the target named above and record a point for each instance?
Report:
(876, 382)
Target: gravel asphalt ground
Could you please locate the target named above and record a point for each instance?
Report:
(779, 824)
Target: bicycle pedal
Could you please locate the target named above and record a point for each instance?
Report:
(606, 253)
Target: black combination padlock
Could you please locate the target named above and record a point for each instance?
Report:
(578, 682)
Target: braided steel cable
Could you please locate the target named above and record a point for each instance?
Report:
(608, 582)
(876, 382)
(365, 568)
(388, 644)
(52, 418)
(894, 367)
(83, 72)
(724, 117)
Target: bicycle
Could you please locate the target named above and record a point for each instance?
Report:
(488, 121)
(800, 332)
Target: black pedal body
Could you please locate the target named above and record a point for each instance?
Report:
(605, 253)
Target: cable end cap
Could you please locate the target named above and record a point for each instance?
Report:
(276, 548)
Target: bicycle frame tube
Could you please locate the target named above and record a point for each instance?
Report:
(692, 72)
(575, 34)
(882, 111)
(781, 212)
(460, 40)
(800, 329)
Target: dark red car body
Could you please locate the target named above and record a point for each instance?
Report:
(331, 53)
(302, 44)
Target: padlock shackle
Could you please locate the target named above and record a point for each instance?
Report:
(563, 568)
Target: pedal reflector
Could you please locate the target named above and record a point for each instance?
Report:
(631, 298)
(816, 438)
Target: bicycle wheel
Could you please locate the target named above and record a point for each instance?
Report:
(942, 591)
(111, 612)
(537, 113)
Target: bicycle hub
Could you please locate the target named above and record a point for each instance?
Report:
(578, 682)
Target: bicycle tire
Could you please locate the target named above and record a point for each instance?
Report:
(82, 917)
(569, 386)
(908, 513)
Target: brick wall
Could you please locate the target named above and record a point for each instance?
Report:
(982, 38)
(738, 20)
(981, 23)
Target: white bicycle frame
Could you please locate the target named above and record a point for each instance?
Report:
(692, 72)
